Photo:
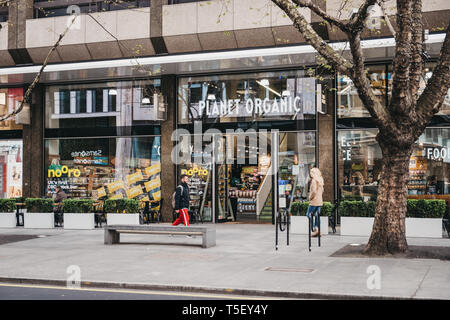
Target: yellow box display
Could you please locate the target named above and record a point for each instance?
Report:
(152, 184)
(156, 195)
(152, 170)
(134, 177)
(116, 185)
(134, 192)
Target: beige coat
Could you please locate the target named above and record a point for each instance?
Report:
(315, 193)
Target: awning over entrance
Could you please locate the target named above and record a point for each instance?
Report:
(206, 62)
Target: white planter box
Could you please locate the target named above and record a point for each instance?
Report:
(299, 225)
(39, 220)
(122, 218)
(79, 221)
(415, 227)
(8, 220)
(356, 226)
(424, 227)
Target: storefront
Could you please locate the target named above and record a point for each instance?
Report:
(103, 140)
(227, 123)
(11, 145)
(359, 155)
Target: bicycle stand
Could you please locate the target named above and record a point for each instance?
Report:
(283, 223)
(310, 225)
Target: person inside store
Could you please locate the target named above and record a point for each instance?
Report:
(432, 187)
(245, 184)
(346, 180)
(182, 200)
(257, 182)
(58, 197)
(315, 199)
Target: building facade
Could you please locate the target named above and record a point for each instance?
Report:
(234, 73)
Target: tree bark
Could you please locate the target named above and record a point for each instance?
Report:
(388, 233)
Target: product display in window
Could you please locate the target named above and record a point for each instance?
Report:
(105, 168)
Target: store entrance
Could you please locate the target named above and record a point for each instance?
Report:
(244, 176)
(243, 183)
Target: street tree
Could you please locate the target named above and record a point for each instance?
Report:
(404, 118)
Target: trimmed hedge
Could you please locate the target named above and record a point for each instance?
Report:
(352, 197)
(300, 208)
(78, 206)
(415, 208)
(357, 209)
(426, 208)
(8, 205)
(39, 205)
(121, 206)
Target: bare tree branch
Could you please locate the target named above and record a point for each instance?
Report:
(36, 80)
(416, 68)
(357, 22)
(401, 103)
(432, 97)
(337, 61)
(317, 10)
(382, 4)
(362, 84)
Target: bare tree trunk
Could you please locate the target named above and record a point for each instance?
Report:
(388, 233)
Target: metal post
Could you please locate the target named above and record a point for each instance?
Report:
(274, 172)
(318, 221)
(309, 233)
(288, 220)
(214, 192)
(276, 233)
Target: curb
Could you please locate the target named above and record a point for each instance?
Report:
(207, 290)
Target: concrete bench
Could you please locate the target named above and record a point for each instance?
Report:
(112, 232)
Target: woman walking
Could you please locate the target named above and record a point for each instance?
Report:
(315, 199)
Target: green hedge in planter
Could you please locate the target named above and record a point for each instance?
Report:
(357, 209)
(39, 205)
(426, 208)
(415, 208)
(121, 206)
(78, 206)
(300, 208)
(20, 199)
(8, 205)
(352, 197)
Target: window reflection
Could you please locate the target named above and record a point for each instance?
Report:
(349, 105)
(111, 104)
(426, 75)
(359, 164)
(9, 101)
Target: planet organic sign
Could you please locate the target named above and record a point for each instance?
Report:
(234, 107)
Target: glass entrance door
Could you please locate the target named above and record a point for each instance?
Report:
(243, 186)
(297, 155)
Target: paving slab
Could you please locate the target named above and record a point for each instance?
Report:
(239, 261)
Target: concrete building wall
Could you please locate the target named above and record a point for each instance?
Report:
(91, 37)
(169, 29)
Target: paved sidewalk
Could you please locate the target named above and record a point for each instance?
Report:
(244, 261)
